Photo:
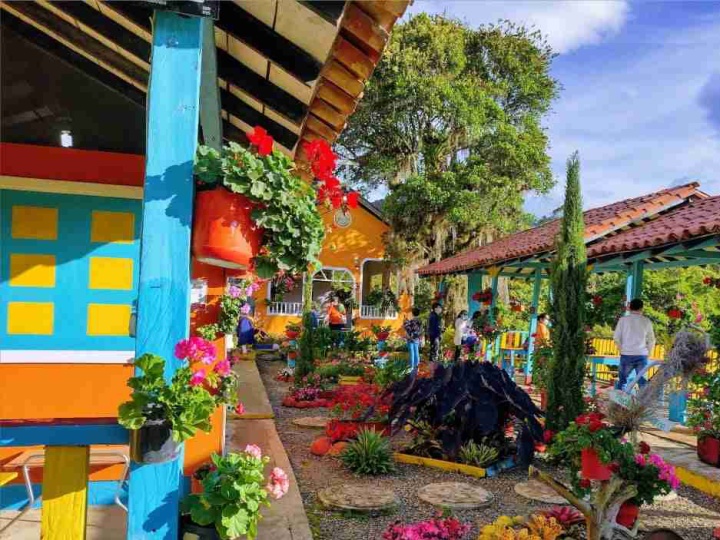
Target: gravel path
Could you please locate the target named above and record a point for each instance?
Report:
(692, 514)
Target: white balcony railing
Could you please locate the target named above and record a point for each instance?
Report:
(372, 312)
(285, 308)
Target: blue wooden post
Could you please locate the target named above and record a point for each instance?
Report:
(164, 288)
(634, 281)
(475, 280)
(495, 277)
(537, 286)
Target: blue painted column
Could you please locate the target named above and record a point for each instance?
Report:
(537, 286)
(475, 281)
(495, 278)
(164, 288)
(634, 282)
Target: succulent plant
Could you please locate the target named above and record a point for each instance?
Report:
(369, 454)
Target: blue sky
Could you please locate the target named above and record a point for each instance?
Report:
(641, 90)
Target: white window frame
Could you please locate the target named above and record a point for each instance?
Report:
(337, 269)
(285, 309)
(371, 312)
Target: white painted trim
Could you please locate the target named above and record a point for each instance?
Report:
(42, 185)
(66, 357)
(268, 297)
(360, 291)
(340, 269)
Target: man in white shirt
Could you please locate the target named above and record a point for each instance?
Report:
(635, 338)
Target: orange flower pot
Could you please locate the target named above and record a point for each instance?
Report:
(224, 233)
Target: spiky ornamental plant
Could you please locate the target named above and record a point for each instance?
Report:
(568, 276)
(305, 362)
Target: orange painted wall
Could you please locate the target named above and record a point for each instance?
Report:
(342, 248)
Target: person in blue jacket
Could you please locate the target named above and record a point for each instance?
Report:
(245, 333)
(434, 331)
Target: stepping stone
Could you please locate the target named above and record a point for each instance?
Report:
(457, 495)
(315, 422)
(358, 498)
(537, 491)
(666, 498)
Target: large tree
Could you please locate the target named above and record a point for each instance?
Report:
(568, 276)
(450, 126)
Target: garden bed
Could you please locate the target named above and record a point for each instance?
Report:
(693, 515)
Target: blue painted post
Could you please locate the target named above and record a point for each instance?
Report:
(537, 286)
(494, 288)
(474, 285)
(164, 288)
(634, 281)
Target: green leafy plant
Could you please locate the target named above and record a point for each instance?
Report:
(541, 358)
(370, 454)
(704, 407)
(306, 361)
(478, 455)
(383, 299)
(233, 492)
(425, 441)
(285, 205)
(394, 370)
(232, 304)
(184, 405)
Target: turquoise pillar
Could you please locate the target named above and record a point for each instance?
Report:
(537, 286)
(492, 347)
(475, 282)
(634, 281)
(164, 286)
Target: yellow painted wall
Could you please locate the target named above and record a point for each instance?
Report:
(343, 248)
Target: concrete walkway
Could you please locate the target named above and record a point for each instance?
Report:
(103, 523)
(251, 392)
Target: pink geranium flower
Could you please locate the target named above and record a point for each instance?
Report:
(278, 484)
(223, 368)
(198, 377)
(254, 450)
(239, 408)
(234, 292)
(245, 309)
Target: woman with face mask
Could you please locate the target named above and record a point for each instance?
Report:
(461, 330)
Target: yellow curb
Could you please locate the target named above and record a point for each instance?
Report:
(252, 416)
(698, 481)
(477, 472)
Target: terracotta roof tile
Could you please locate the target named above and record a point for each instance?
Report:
(598, 222)
(696, 219)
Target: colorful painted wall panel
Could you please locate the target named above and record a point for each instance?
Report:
(68, 272)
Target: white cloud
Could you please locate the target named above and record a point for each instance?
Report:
(568, 24)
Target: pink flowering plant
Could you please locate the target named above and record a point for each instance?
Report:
(234, 488)
(649, 473)
(234, 303)
(438, 528)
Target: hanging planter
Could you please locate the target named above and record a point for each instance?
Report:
(192, 531)
(627, 514)
(224, 233)
(591, 466)
(153, 443)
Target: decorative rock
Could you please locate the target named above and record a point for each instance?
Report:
(537, 491)
(316, 422)
(666, 498)
(337, 448)
(458, 495)
(358, 498)
(320, 446)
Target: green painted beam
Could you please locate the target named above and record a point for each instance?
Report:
(681, 264)
(698, 254)
(210, 118)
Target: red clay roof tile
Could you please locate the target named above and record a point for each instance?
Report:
(598, 222)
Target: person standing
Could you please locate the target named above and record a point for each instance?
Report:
(414, 331)
(635, 338)
(336, 321)
(542, 333)
(434, 331)
(461, 324)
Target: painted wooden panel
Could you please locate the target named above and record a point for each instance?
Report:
(65, 484)
(164, 287)
(63, 254)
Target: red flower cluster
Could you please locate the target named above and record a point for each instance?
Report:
(712, 282)
(259, 138)
(675, 313)
(548, 436)
(644, 447)
(483, 296)
(354, 401)
(322, 164)
(594, 421)
(597, 300)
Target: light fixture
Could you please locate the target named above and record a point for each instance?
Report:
(66, 140)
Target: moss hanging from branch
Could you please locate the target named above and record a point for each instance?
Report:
(569, 282)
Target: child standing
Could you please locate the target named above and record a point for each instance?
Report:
(414, 331)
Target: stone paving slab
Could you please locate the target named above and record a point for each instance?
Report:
(314, 422)
(251, 392)
(103, 523)
(455, 495)
(537, 491)
(286, 518)
(358, 498)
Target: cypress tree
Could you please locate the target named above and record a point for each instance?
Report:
(305, 362)
(568, 276)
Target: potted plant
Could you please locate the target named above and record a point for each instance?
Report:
(384, 299)
(234, 489)
(251, 210)
(381, 332)
(234, 303)
(704, 416)
(292, 330)
(161, 415)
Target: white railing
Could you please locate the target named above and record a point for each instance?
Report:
(285, 308)
(373, 312)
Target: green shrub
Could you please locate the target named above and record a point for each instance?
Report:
(369, 454)
(394, 370)
(478, 455)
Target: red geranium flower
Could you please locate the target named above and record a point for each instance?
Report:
(352, 199)
(548, 435)
(614, 467)
(259, 138)
(595, 425)
(644, 447)
(585, 483)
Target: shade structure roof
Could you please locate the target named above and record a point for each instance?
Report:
(298, 69)
(664, 217)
